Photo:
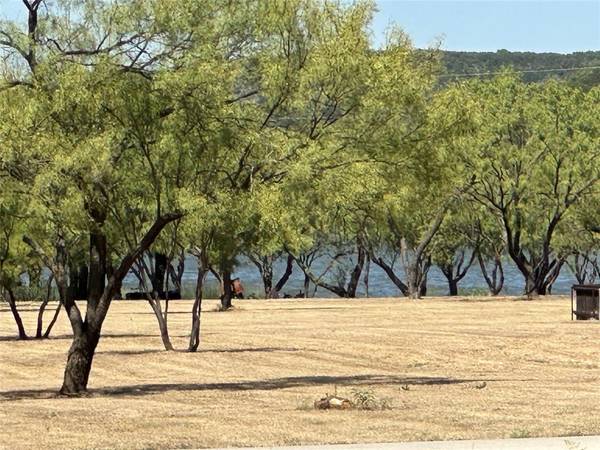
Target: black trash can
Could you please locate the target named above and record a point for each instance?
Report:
(585, 301)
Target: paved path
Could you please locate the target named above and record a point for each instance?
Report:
(558, 443)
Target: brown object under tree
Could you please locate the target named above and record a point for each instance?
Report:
(333, 402)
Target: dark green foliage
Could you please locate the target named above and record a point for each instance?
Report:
(484, 62)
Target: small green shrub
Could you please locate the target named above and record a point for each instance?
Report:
(520, 434)
(366, 399)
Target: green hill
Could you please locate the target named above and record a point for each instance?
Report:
(538, 63)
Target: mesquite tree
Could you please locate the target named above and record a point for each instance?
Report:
(300, 81)
(415, 146)
(88, 114)
(490, 252)
(531, 157)
(455, 246)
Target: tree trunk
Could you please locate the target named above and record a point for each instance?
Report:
(388, 269)
(306, 285)
(341, 291)
(53, 321)
(289, 267)
(456, 269)
(416, 265)
(227, 293)
(366, 277)
(423, 288)
(40, 318)
(553, 276)
(177, 275)
(160, 269)
(110, 270)
(579, 267)
(267, 276)
(532, 288)
(79, 361)
(15, 312)
(417, 279)
(197, 310)
(86, 333)
(82, 282)
(448, 271)
(495, 279)
(161, 318)
(355, 275)
(453, 288)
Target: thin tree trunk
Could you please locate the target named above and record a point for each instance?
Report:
(40, 318)
(160, 270)
(161, 318)
(289, 267)
(423, 288)
(177, 275)
(110, 270)
(267, 276)
(341, 291)
(355, 275)
(579, 267)
(227, 292)
(452, 282)
(495, 280)
(553, 276)
(532, 288)
(366, 277)
(197, 310)
(264, 264)
(392, 275)
(15, 312)
(53, 321)
(338, 290)
(453, 276)
(306, 285)
(144, 271)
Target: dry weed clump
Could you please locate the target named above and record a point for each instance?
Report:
(362, 399)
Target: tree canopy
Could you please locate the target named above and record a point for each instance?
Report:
(141, 131)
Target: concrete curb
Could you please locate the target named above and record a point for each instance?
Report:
(554, 443)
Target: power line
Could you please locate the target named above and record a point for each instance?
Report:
(479, 74)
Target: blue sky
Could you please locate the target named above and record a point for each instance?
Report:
(487, 25)
(561, 26)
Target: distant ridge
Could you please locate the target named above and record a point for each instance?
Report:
(463, 63)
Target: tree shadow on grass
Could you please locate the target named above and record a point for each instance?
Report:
(305, 308)
(224, 350)
(104, 336)
(253, 385)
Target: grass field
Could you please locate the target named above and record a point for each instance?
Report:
(450, 369)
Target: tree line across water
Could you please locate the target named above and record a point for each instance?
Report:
(134, 132)
(581, 69)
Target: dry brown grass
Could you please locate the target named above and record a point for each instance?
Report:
(261, 366)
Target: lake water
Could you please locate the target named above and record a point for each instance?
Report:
(379, 283)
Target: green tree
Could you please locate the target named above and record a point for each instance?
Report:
(87, 133)
(423, 180)
(531, 160)
(455, 245)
